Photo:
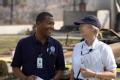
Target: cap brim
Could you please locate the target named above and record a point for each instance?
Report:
(78, 23)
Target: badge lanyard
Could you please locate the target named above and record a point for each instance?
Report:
(50, 51)
(90, 50)
(40, 59)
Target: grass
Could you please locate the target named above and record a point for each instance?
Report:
(8, 42)
(118, 69)
(68, 66)
(69, 42)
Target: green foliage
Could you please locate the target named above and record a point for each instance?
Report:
(3, 68)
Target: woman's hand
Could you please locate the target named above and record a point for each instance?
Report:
(87, 73)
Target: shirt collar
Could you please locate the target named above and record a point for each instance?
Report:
(38, 42)
(93, 46)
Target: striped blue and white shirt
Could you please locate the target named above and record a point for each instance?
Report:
(95, 57)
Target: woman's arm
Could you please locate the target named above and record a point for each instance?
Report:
(101, 75)
(107, 74)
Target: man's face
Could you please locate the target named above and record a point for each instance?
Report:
(46, 26)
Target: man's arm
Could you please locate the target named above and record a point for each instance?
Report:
(72, 75)
(17, 63)
(18, 73)
(59, 64)
(58, 75)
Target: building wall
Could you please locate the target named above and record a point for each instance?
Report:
(72, 16)
(26, 14)
(98, 4)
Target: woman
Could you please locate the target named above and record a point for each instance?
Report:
(92, 59)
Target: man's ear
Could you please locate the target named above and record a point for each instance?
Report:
(38, 23)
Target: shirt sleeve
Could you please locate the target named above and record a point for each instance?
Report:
(108, 58)
(60, 63)
(17, 59)
(73, 55)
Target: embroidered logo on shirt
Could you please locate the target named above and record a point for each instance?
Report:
(51, 50)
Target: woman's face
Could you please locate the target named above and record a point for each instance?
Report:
(86, 31)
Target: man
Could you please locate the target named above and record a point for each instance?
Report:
(39, 55)
(92, 59)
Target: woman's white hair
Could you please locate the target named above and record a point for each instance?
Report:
(95, 29)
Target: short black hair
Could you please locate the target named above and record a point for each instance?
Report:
(41, 16)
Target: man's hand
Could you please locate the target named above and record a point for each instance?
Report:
(32, 77)
(87, 73)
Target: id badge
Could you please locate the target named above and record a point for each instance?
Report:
(39, 62)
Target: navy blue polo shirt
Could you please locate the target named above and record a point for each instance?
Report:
(27, 52)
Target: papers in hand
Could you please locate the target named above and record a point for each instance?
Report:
(38, 78)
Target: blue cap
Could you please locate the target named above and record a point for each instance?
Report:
(93, 20)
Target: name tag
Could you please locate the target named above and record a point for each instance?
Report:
(39, 62)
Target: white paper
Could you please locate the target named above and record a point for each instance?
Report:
(38, 78)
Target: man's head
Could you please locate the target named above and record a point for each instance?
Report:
(89, 26)
(44, 24)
